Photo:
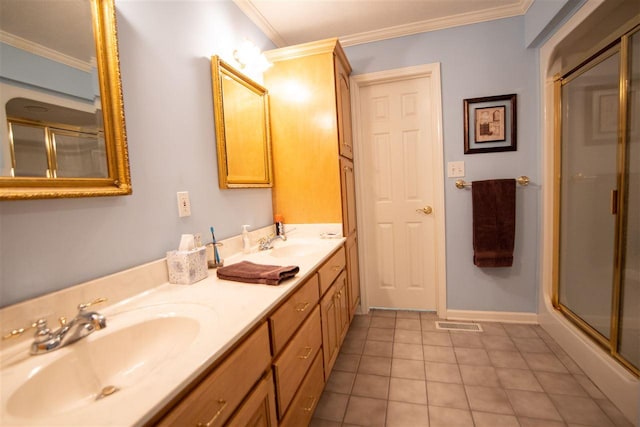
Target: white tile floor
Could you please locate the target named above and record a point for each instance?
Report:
(396, 369)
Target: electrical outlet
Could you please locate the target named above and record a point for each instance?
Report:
(455, 169)
(184, 204)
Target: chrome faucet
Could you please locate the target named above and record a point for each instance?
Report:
(85, 323)
(267, 241)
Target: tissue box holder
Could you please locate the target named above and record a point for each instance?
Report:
(187, 267)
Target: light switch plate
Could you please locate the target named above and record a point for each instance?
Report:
(184, 204)
(455, 169)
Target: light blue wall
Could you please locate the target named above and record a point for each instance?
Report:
(545, 16)
(165, 47)
(479, 60)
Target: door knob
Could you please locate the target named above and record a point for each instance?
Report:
(427, 210)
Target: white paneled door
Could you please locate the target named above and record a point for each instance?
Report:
(397, 125)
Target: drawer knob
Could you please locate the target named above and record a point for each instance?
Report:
(308, 353)
(216, 415)
(302, 306)
(337, 267)
(312, 401)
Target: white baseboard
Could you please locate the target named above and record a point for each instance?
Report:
(492, 316)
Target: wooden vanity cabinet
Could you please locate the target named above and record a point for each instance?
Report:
(216, 398)
(275, 376)
(335, 321)
(312, 143)
(309, 106)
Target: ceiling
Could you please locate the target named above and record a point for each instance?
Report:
(289, 22)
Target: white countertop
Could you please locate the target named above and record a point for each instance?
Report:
(236, 309)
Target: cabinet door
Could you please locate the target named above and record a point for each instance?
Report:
(348, 190)
(343, 99)
(328, 312)
(353, 273)
(342, 302)
(259, 410)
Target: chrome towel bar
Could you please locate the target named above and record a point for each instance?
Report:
(522, 180)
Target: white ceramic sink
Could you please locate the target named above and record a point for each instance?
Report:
(127, 353)
(295, 250)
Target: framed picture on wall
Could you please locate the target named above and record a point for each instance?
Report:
(490, 124)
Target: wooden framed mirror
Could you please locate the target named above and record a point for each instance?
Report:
(243, 137)
(62, 127)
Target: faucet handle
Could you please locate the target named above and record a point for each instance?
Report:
(84, 306)
(16, 332)
(43, 332)
(40, 325)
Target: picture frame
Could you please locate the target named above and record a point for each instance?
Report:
(490, 124)
(602, 106)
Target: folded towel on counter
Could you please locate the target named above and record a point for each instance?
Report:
(249, 272)
(494, 222)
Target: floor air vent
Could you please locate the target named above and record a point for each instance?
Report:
(459, 326)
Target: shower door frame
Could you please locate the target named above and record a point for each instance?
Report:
(619, 45)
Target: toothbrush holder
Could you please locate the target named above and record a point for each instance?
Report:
(213, 259)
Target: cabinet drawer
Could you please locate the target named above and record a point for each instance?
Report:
(294, 361)
(292, 313)
(305, 401)
(330, 269)
(219, 394)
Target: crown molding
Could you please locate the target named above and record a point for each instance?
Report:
(249, 9)
(437, 24)
(45, 52)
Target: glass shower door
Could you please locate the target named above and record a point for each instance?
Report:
(629, 339)
(588, 184)
(597, 270)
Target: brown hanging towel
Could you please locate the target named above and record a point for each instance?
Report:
(494, 222)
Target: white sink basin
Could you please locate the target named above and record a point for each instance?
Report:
(295, 250)
(128, 352)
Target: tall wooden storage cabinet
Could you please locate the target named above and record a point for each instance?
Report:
(312, 142)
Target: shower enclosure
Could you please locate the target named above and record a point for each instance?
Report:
(597, 220)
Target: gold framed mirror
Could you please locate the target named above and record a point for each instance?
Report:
(243, 137)
(63, 133)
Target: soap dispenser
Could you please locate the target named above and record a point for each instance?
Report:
(246, 242)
